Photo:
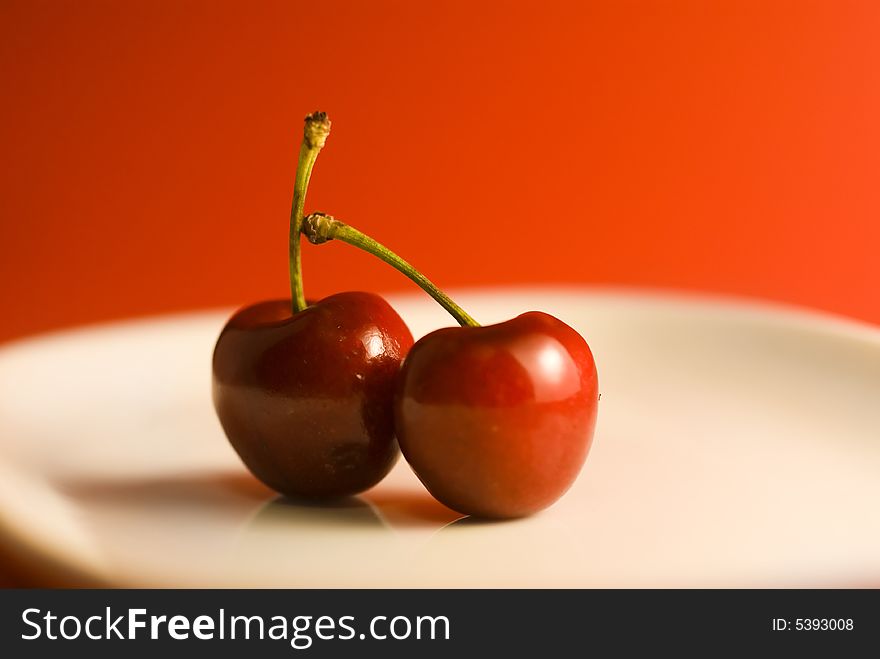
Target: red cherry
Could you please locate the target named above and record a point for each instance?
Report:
(306, 399)
(497, 421)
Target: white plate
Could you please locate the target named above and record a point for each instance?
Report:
(737, 445)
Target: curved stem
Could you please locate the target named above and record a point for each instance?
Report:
(319, 228)
(317, 129)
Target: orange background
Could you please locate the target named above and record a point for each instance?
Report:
(148, 148)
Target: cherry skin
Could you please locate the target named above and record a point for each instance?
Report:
(496, 421)
(306, 399)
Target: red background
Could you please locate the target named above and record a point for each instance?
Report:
(148, 148)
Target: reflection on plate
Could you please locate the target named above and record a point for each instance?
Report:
(737, 445)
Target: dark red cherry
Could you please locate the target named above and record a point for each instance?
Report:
(497, 421)
(306, 399)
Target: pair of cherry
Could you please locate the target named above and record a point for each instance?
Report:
(496, 421)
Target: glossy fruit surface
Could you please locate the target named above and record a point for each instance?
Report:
(497, 421)
(306, 399)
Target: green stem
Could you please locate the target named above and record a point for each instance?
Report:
(317, 129)
(319, 228)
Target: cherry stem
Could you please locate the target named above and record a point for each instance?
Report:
(320, 227)
(315, 134)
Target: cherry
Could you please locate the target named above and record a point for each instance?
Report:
(496, 421)
(305, 393)
(306, 399)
